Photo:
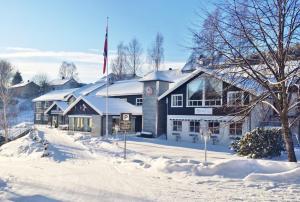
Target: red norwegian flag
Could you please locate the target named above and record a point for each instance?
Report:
(105, 51)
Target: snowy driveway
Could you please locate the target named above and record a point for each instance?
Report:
(80, 172)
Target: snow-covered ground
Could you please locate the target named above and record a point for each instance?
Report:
(82, 168)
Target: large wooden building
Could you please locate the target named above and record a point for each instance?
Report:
(175, 103)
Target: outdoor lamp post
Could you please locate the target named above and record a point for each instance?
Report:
(206, 134)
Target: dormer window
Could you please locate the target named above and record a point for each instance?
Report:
(235, 98)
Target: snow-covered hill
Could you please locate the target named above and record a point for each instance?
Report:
(84, 168)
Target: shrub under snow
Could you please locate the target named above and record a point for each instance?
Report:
(260, 143)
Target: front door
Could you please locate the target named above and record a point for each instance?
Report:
(55, 121)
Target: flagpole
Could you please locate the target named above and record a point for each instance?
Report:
(107, 83)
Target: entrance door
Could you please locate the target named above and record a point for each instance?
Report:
(55, 121)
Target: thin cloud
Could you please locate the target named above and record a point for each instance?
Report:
(31, 61)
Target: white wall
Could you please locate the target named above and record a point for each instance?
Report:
(223, 138)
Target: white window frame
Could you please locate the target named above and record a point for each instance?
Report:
(194, 126)
(175, 96)
(235, 92)
(235, 128)
(38, 115)
(204, 95)
(177, 126)
(46, 117)
(139, 101)
(214, 127)
(38, 105)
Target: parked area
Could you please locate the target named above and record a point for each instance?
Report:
(85, 168)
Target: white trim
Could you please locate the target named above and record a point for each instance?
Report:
(76, 101)
(80, 116)
(136, 101)
(172, 99)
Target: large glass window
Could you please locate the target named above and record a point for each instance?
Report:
(177, 125)
(195, 126)
(177, 100)
(236, 128)
(195, 92)
(204, 91)
(213, 92)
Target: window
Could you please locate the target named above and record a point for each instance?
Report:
(38, 105)
(195, 92)
(47, 104)
(214, 127)
(38, 117)
(46, 117)
(195, 126)
(177, 100)
(236, 128)
(139, 101)
(204, 91)
(177, 125)
(235, 98)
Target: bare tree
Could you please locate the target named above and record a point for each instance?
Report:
(6, 73)
(68, 70)
(43, 81)
(207, 39)
(156, 52)
(120, 63)
(264, 35)
(134, 52)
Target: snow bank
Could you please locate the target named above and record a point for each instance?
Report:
(240, 168)
(99, 145)
(291, 176)
(236, 167)
(31, 145)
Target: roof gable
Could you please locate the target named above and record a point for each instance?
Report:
(242, 83)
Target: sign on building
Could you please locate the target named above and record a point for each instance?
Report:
(207, 111)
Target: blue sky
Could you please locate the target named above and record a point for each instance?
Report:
(36, 35)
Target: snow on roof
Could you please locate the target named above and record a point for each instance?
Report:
(63, 105)
(156, 76)
(89, 89)
(58, 82)
(55, 95)
(165, 75)
(22, 84)
(123, 88)
(243, 83)
(116, 106)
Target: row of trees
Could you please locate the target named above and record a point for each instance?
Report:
(240, 33)
(129, 58)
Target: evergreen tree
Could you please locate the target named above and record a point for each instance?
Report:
(17, 78)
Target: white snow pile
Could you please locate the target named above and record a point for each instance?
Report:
(236, 168)
(98, 145)
(32, 145)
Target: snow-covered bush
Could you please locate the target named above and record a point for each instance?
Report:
(260, 143)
